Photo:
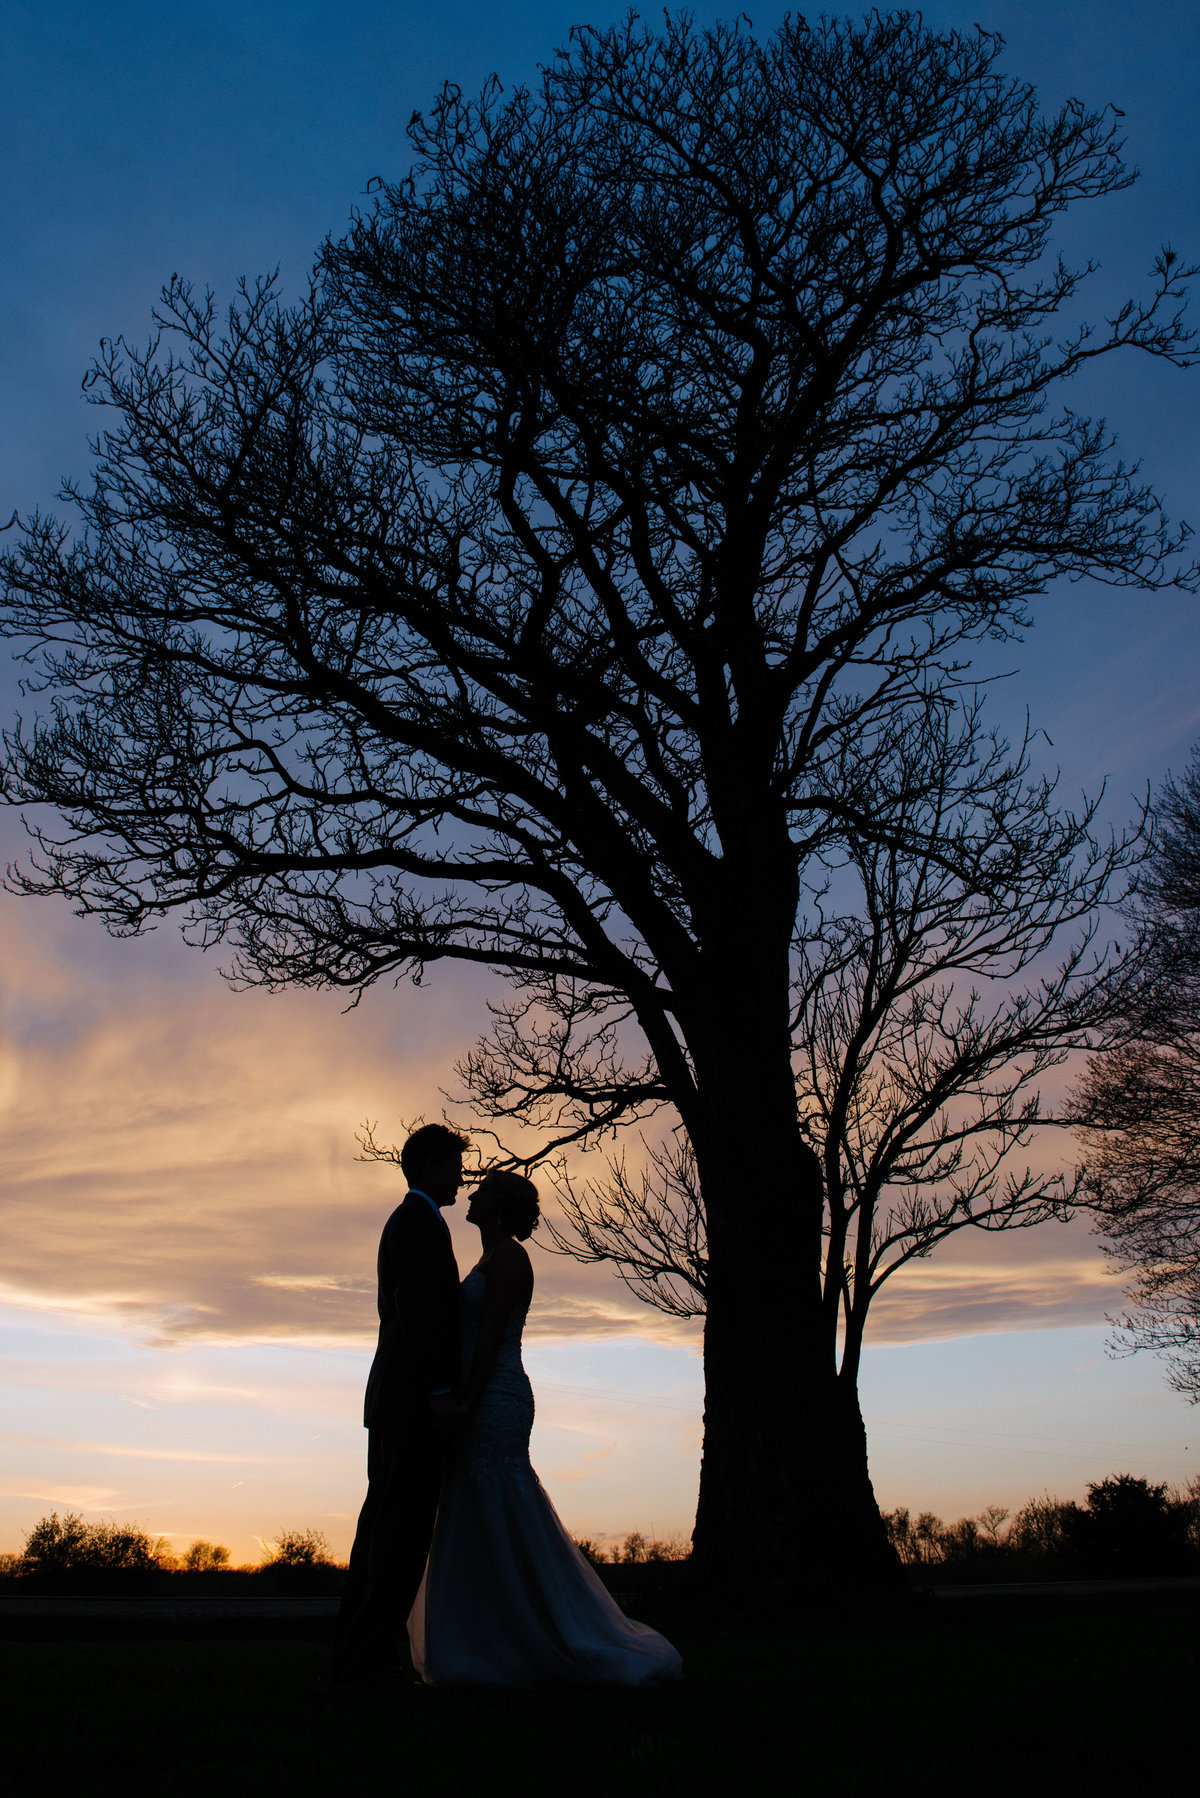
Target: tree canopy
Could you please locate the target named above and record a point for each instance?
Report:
(660, 436)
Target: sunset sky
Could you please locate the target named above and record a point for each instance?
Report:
(186, 1239)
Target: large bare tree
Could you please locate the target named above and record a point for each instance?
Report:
(660, 443)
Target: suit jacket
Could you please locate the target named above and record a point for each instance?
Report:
(418, 1350)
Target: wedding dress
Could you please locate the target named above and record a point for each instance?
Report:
(507, 1598)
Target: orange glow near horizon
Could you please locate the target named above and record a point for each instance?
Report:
(189, 1269)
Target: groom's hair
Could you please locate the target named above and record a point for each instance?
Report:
(432, 1142)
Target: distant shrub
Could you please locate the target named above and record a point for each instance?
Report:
(919, 1541)
(925, 1541)
(592, 1551)
(298, 1548)
(69, 1545)
(1039, 1530)
(989, 1524)
(205, 1557)
(1129, 1525)
(898, 1528)
(54, 1546)
(1188, 1498)
(638, 1550)
(961, 1541)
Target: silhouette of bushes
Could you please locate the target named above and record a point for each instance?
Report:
(1039, 1530)
(300, 1561)
(1128, 1527)
(71, 1545)
(592, 1551)
(1131, 1527)
(68, 1555)
(97, 1555)
(636, 1550)
(299, 1548)
(205, 1557)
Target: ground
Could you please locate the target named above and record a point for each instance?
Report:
(972, 1696)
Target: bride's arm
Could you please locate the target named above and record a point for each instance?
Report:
(509, 1282)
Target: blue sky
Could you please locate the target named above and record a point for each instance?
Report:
(187, 1240)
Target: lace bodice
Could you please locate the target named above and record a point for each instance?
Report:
(497, 1438)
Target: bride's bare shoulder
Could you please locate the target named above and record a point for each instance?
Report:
(513, 1257)
(507, 1256)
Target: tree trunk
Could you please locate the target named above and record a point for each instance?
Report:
(786, 1502)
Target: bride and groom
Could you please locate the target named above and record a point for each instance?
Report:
(456, 1538)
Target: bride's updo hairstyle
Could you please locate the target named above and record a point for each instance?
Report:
(517, 1202)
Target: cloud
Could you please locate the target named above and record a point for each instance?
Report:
(126, 1451)
(180, 1159)
(1050, 1277)
(567, 1476)
(581, 1301)
(69, 1498)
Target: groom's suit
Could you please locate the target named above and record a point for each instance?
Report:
(417, 1357)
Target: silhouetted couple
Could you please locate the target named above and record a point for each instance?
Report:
(457, 1540)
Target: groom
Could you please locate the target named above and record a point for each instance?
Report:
(411, 1408)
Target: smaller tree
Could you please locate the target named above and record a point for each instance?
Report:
(205, 1557)
(56, 1545)
(922, 1032)
(298, 1548)
(592, 1552)
(640, 1550)
(990, 1520)
(1129, 1526)
(928, 1538)
(1187, 1497)
(1038, 1531)
(898, 1524)
(1139, 1104)
(126, 1548)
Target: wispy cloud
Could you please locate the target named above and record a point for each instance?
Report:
(314, 1283)
(180, 1160)
(568, 1475)
(1052, 1277)
(127, 1451)
(70, 1498)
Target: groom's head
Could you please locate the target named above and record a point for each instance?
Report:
(431, 1160)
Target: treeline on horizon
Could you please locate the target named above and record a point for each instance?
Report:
(1127, 1527)
(70, 1553)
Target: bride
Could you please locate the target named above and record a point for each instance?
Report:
(507, 1598)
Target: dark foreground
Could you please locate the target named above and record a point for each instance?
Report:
(1027, 1696)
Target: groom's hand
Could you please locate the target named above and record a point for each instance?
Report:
(447, 1414)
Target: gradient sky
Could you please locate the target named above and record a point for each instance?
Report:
(186, 1240)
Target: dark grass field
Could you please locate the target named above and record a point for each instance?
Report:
(984, 1696)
